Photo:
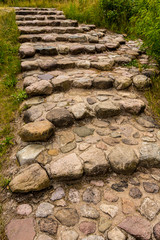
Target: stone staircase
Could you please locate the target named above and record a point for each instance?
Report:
(85, 124)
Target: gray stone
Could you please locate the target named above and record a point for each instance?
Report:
(31, 178)
(67, 216)
(42, 87)
(68, 147)
(46, 76)
(133, 106)
(28, 154)
(141, 81)
(69, 235)
(73, 195)
(150, 155)
(102, 82)
(67, 167)
(106, 65)
(111, 210)
(27, 81)
(116, 234)
(84, 82)
(94, 237)
(61, 83)
(43, 237)
(58, 194)
(83, 131)
(83, 64)
(32, 114)
(89, 212)
(60, 117)
(95, 162)
(123, 159)
(122, 82)
(48, 225)
(79, 111)
(149, 208)
(107, 109)
(24, 209)
(150, 187)
(92, 195)
(135, 193)
(44, 210)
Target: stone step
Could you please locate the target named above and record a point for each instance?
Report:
(31, 8)
(80, 37)
(39, 17)
(38, 12)
(64, 23)
(119, 78)
(118, 144)
(28, 50)
(63, 109)
(59, 30)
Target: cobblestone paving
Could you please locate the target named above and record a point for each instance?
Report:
(88, 152)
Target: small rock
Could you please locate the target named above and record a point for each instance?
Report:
(91, 101)
(135, 193)
(24, 209)
(101, 146)
(44, 209)
(83, 131)
(110, 141)
(68, 147)
(48, 225)
(104, 224)
(122, 82)
(150, 187)
(141, 81)
(128, 206)
(119, 186)
(134, 181)
(79, 111)
(65, 214)
(156, 231)
(97, 183)
(43, 237)
(23, 229)
(58, 194)
(87, 227)
(94, 237)
(92, 195)
(89, 212)
(84, 146)
(53, 152)
(42, 87)
(37, 131)
(73, 195)
(137, 227)
(111, 210)
(116, 234)
(129, 141)
(69, 235)
(28, 154)
(149, 208)
(110, 197)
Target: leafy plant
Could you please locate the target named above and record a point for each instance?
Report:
(19, 96)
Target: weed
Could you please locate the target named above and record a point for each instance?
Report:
(19, 96)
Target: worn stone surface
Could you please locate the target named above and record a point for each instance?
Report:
(65, 214)
(68, 167)
(73, 195)
(37, 131)
(28, 154)
(21, 229)
(107, 109)
(32, 178)
(150, 187)
(24, 209)
(83, 131)
(104, 224)
(69, 235)
(95, 162)
(89, 212)
(87, 227)
(149, 208)
(92, 195)
(116, 234)
(111, 210)
(123, 160)
(48, 225)
(42, 87)
(135, 192)
(137, 226)
(44, 209)
(58, 194)
(156, 231)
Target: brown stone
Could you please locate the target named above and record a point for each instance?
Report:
(139, 227)
(128, 206)
(48, 225)
(21, 229)
(67, 216)
(87, 227)
(135, 193)
(110, 197)
(36, 131)
(156, 231)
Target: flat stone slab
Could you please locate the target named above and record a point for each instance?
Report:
(28, 154)
(21, 229)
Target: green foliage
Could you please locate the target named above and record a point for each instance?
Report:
(19, 96)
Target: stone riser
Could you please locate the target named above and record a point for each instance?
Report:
(40, 17)
(62, 30)
(63, 23)
(39, 12)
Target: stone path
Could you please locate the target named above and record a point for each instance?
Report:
(88, 149)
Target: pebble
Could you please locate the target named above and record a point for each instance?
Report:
(48, 225)
(111, 210)
(44, 209)
(24, 209)
(116, 234)
(135, 193)
(92, 195)
(150, 187)
(87, 227)
(58, 194)
(73, 195)
(89, 212)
